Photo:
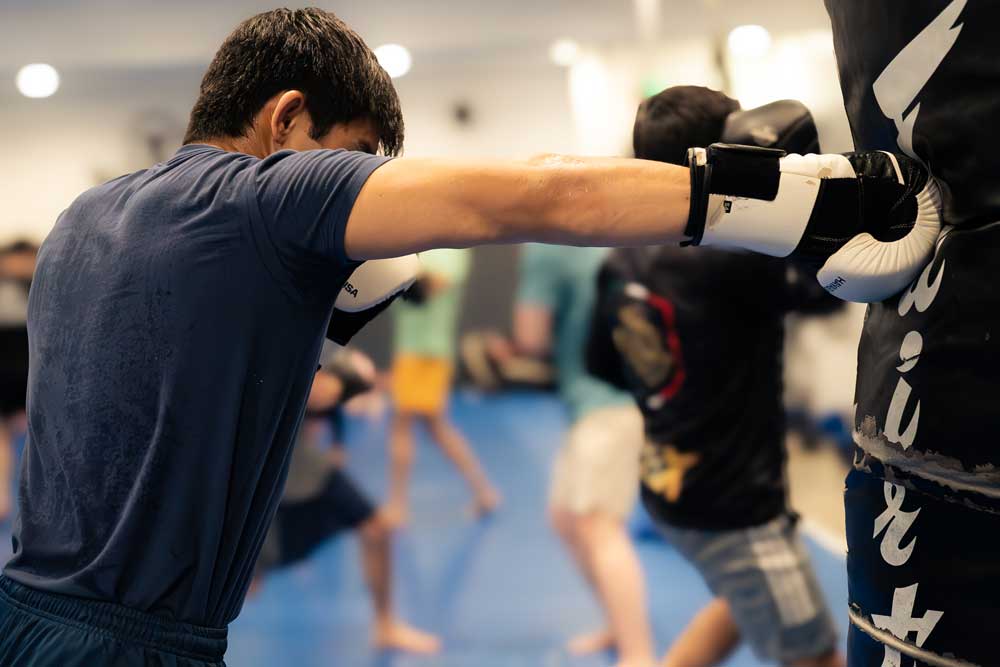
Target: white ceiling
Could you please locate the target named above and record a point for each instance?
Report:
(168, 33)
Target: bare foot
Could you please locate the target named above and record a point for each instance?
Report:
(485, 504)
(648, 662)
(255, 585)
(593, 642)
(395, 515)
(393, 635)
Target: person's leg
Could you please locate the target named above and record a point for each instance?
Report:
(710, 638)
(594, 484)
(564, 523)
(376, 558)
(454, 445)
(832, 658)
(401, 454)
(300, 526)
(6, 469)
(618, 579)
(408, 398)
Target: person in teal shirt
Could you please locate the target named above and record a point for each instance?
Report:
(424, 349)
(595, 477)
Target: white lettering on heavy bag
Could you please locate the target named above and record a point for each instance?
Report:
(902, 622)
(909, 354)
(898, 523)
(922, 293)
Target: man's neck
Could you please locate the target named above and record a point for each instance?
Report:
(248, 144)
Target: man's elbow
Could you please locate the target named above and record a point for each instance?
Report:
(565, 204)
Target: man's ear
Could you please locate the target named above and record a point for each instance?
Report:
(289, 112)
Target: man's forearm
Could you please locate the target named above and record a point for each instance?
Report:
(605, 202)
(410, 205)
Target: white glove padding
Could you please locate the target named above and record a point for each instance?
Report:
(377, 280)
(866, 269)
(866, 222)
(370, 289)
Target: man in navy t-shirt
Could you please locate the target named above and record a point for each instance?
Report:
(176, 318)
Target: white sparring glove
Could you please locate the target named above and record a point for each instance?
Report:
(866, 222)
(370, 289)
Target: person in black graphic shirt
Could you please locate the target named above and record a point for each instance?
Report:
(696, 335)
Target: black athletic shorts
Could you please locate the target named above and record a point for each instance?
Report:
(301, 526)
(39, 629)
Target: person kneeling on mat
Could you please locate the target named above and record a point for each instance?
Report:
(492, 361)
(702, 355)
(321, 500)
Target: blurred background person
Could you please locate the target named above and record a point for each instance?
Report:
(703, 356)
(593, 486)
(424, 341)
(321, 501)
(17, 264)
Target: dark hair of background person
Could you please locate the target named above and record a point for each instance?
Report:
(310, 50)
(670, 122)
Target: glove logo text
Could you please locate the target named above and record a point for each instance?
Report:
(835, 284)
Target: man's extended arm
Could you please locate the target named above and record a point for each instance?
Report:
(409, 205)
(867, 222)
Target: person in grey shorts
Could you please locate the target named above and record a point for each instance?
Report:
(701, 355)
(766, 595)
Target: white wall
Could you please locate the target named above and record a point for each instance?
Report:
(91, 130)
(516, 110)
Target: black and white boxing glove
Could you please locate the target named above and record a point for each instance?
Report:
(866, 222)
(370, 290)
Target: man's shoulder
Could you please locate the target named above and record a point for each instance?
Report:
(187, 166)
(112, 187)
(143, 202)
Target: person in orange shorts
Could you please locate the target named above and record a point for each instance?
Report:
(424, 343)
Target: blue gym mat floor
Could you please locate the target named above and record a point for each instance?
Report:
(500, 592)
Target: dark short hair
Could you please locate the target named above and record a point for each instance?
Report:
(310, 50)
(673, 120)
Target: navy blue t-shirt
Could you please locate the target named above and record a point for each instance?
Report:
(175, 321)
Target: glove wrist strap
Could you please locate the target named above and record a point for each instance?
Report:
(741, 199)
(700, 174)
(728, 169)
